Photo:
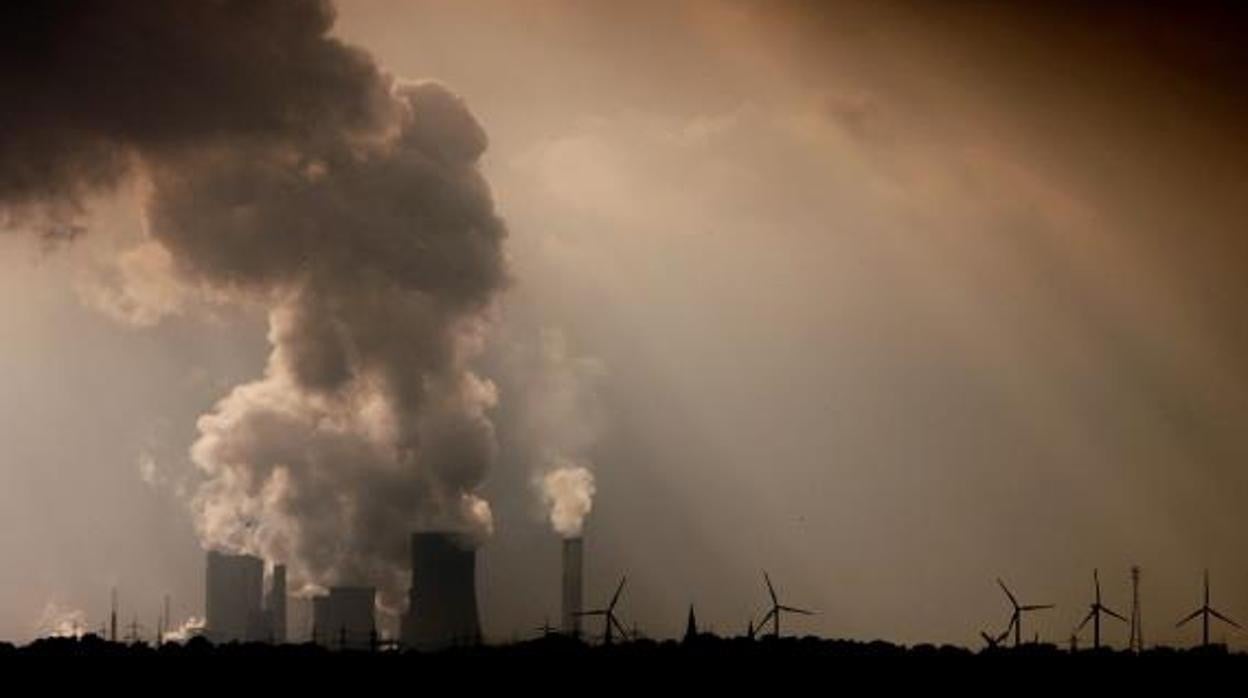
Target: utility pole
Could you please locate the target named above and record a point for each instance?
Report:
(112, 619)
(134, 637)
(166, 624)
(1136, 642)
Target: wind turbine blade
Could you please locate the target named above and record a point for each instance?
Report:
(766, 617)
(1112, 613)
(618, 589)
(1187, 618)
(1037, 607)
(1013, 601)
(770, 589)
(1224, 619)
(619, 628)
(802, 611)
(1006, 633)
(599, 612)
(1086, 619)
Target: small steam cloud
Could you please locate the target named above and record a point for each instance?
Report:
(57, 620)
(569, 493)
(191, 627)
(282, 168)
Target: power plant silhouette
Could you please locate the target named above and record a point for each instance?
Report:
(247, 604)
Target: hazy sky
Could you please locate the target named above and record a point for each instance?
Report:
(886, 299)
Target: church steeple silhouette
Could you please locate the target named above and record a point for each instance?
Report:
(691, 627)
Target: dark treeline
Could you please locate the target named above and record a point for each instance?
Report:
(559, 649)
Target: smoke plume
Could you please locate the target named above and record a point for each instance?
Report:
(563, 420)
(282, 167)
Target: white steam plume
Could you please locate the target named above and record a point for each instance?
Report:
(564, 420)
(568, 490)
(191, 627)
(57, 620)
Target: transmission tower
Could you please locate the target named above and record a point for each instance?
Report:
(1136, 643)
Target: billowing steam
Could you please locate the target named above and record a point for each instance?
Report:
(283, 168)
(569, 494)
(380, 267)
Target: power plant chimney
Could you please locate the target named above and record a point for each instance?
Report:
(277, 605)
(572, 565)
(442, 603)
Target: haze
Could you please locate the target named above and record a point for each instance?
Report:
(885, 299)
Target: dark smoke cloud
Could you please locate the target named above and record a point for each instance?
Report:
(89, 85)
(283, 167)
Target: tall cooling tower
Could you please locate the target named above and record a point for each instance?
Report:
(232, 605)
(572, 564)
(442, 603)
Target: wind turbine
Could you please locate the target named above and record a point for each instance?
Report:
(546, 628)
(1094, 614)
(777, 608)
(994, 641)
(1205, 611)
(611, 623)
(1016, 619)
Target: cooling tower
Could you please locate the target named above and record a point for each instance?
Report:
(442, 603)
(234, 586)
(572, 563)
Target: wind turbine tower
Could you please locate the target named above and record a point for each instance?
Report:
(1094, 613)
(612, 624)
(777, 608)
(1204, 612)
(1016, 619)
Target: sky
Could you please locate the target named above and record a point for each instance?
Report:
(887, 299)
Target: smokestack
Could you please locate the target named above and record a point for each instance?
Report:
(442, 604)
(572, 565)
(277, 605)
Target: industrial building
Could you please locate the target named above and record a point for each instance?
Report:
(344, 619)
(442, 603)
